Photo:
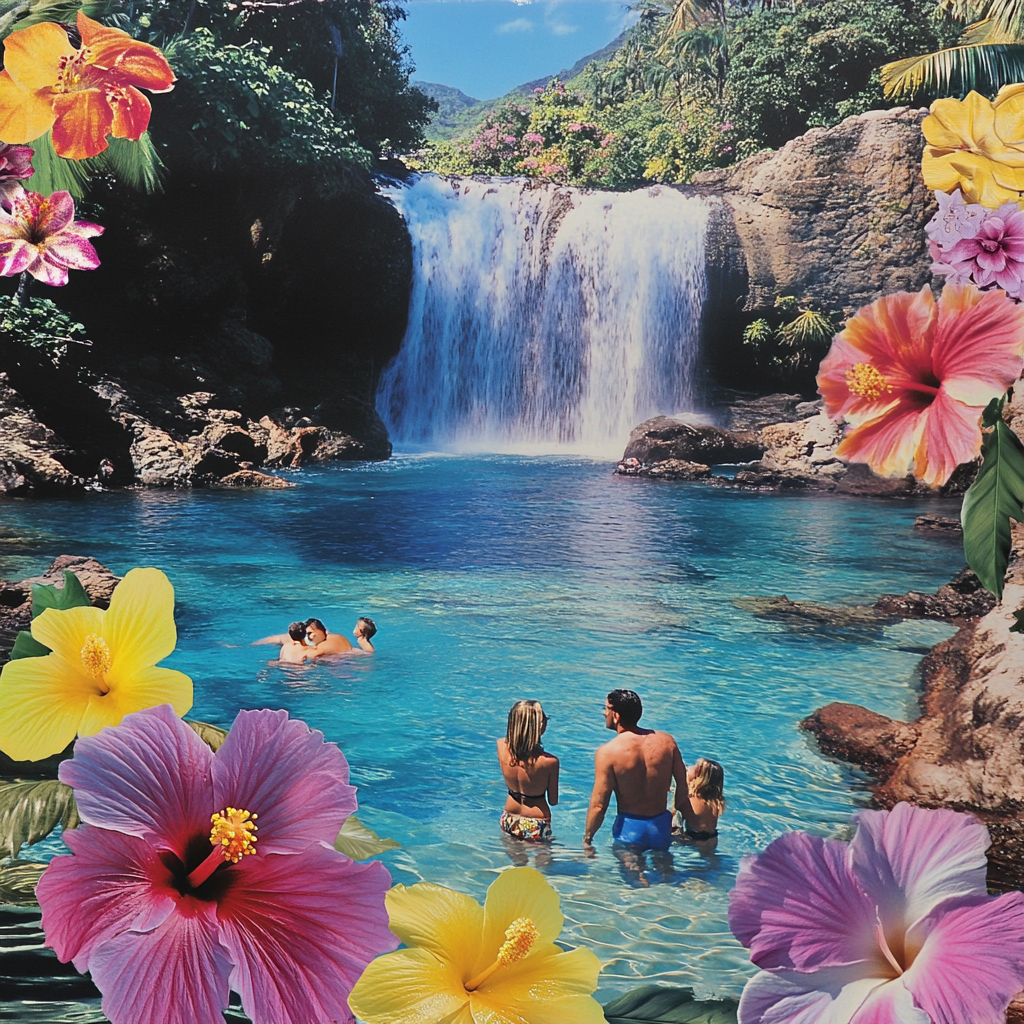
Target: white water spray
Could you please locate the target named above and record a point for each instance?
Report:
(544, 319)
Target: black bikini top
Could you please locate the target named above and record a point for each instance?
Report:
(523, 797)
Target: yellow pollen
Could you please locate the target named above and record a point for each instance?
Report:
(96, 655)
(232, 832)
(864, 380)
(520, 935)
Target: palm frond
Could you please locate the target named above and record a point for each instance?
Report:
(1007, 16)
(137, 164)
(809, 332)
(53, 174)
(984, 67)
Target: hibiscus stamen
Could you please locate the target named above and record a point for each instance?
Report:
(865, 380)
(520, 936)
(232, 838)
(96, 656)
(884, 947)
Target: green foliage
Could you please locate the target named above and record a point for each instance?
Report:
(30, 811)
(39, 324)
(27, 646)
(71, 595)
(241, 112)
(358, 842)
(995, 497)
(18, 883)
(211, 735)
(653, 1004)
(810, 332)
(758, 335)
(795, 345)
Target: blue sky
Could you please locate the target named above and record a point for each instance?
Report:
(486, 47)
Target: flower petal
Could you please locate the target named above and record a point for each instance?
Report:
(32, 55)
(830, 996)
(979, 343)
(951, 436)
(797, 905)
(112, 883)
(135, 63)
(893, 1004)
(64, 631)
(24, 114)
(909, 859)
(83, 122)
(56, 212)
(15, 257)
(48, 271)
(147, 688)
(971, 963)
(42, 702)
(297, 953)
(131, 114)
(283, 771)
(445, 923)
(551, 987)
(139, 625)
(176, 972)
(519, 892)
(888, 444)
(408, 987)
(149, 778)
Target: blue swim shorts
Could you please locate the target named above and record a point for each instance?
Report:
(653, 833)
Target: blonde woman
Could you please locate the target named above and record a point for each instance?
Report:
(705, 781)
(530, 773)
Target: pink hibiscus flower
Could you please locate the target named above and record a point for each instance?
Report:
(913, 378)
(994, 255)
(15, 167)
(40, 235)
(895, 927)
(167, 915)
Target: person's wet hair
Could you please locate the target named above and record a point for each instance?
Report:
(708, 783)
(370, 629)
(526, 722)
(316, 622)
(627, 705)
(297, 631)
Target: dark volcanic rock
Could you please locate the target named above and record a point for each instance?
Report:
(763, 410)
(860, 736)
(251, 478)
(664, 438)
(938, 524)
(801, 614)
(962, 598)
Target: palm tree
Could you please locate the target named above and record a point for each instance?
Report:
(988, 55)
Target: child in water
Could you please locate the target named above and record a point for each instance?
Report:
(705, 781)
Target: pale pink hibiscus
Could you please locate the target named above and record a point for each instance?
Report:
(167, 914)
(15, 167)
(913, 377)
(40, 236)
(994, 255)
(895, 927)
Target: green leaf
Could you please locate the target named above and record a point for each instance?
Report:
(653, 1004)
(30, 811)
(26, 646)
(1018, 626)
(71, 595)
(955, 71)
(355, 840)
(53, 174)
(209, 734)
(18, 882)
(992, 501)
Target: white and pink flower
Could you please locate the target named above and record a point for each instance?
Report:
(992, 255)
(896, 927)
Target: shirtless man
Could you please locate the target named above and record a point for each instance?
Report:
(324, 642)
(293, 649)
(638, 766)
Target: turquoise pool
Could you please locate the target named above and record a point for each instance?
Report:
(497, 578)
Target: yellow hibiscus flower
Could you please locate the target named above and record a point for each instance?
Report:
(977, 145)
(467, 964)
(102, 666)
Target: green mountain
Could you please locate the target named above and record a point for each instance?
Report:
(459, 114)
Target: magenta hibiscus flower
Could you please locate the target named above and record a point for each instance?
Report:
(167, 915)
(895, 927)
(39, 234)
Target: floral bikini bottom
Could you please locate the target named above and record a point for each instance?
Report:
(533, 830)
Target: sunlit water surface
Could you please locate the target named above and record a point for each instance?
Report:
(497, 578)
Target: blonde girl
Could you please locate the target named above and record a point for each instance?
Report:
(705, 781)
(530, 774)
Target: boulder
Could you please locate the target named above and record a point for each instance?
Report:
(860, 736)
(762, 410)
(962, 598)
(665, 437)
(251, 478)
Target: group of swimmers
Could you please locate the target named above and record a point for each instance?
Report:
(638, 766)
(306, 641)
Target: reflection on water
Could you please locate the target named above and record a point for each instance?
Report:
(494, 579)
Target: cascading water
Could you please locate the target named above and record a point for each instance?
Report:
(544, 319)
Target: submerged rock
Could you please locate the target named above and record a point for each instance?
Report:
(962, 598)
(252, 478)
(664, 437)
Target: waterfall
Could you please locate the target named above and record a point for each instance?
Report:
(542, 318)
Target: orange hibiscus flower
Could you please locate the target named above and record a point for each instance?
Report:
(913, 378)
(83, 94)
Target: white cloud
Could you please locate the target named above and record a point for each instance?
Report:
(519, 25)
(559, 28)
